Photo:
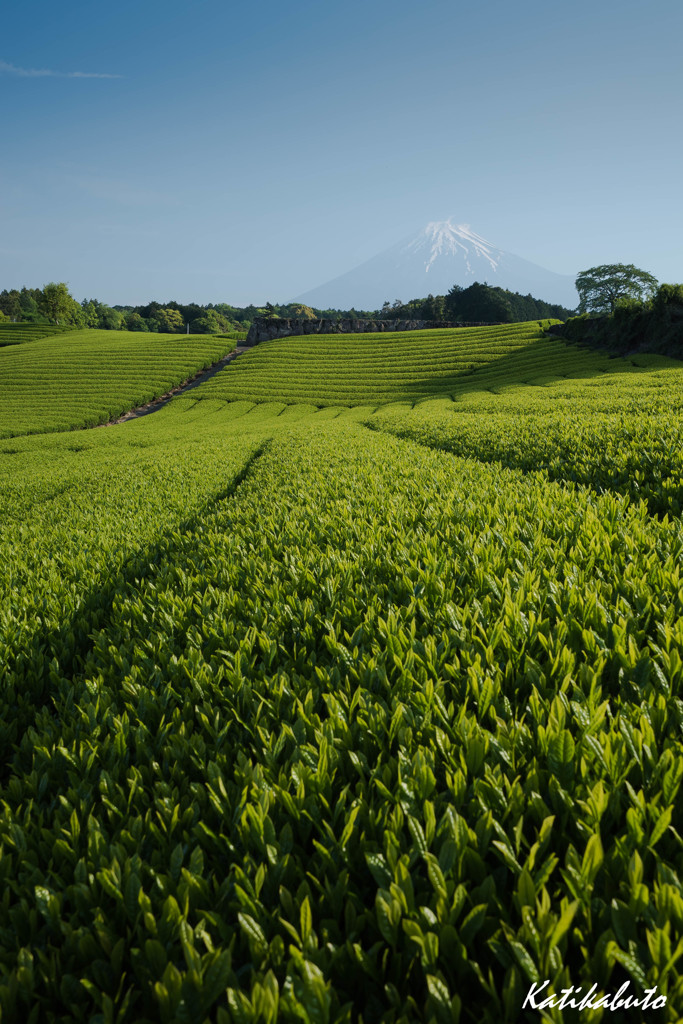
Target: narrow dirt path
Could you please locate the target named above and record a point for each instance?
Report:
(193, 382)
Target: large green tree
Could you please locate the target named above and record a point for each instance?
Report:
(90, 317)
(55, 303)
(134, 322)
(169, 321)
(600, 288)
(9, 303)
(109, 319)
(210, 323)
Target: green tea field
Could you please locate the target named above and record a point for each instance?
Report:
(348, 687)
(20, 333)
(412, 365)
(83, 378)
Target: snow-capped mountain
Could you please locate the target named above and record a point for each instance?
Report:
(441, 255)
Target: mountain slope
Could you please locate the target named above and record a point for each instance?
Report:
(439, 256)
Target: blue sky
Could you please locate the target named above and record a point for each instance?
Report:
(249, 153)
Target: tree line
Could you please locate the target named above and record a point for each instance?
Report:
(602, 289)
(625, 309)
(54, 304)
(476, 303)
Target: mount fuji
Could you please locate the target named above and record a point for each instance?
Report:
(431, 262)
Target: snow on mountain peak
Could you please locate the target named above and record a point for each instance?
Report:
(450, 254)
(444, 238)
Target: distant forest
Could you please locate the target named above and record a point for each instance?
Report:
(53, 303)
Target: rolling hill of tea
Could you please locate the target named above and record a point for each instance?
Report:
(20, 333)
(348, 705)
(407, 366)
(81, 378)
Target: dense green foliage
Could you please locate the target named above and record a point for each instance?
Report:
(46, 305)
(479, 302)
(83, 378)
(54, 304)
(654, 325)
(363, 713)
(21, 304)
(485, 302)
(601, 288)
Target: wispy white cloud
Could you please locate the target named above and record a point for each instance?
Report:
(12, 69)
